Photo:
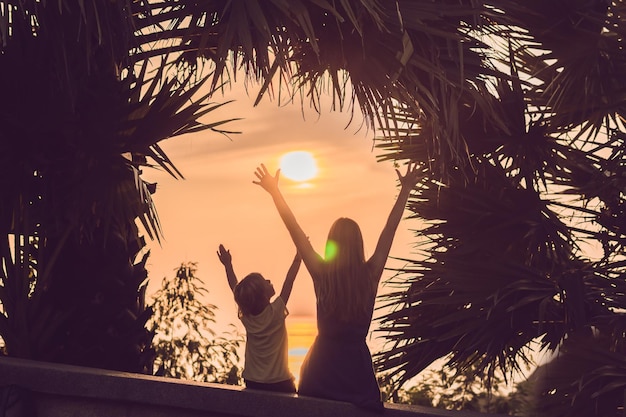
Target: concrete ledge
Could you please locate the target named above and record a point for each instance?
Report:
(57, 390)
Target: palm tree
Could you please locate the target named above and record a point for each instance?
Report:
(80, 119)
(95, 86)
(523, 244)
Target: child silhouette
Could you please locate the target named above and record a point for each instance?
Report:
(266, 362)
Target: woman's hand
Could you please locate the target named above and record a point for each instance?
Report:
(224, 255)
(268, 182)
(414, 173)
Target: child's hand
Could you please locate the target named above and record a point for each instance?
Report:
(224, 255)
(268, 182)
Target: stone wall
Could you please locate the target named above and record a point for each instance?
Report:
(38, 389)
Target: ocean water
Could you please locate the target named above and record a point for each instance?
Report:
(301, 332)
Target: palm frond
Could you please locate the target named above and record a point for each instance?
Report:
(493, 264)
(586, 378)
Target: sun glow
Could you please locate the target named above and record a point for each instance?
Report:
(298, 166)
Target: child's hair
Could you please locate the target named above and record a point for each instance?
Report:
(250, 295)
(346, 288)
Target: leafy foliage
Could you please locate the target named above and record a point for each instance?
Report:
(87, 310)
(447, 389)
(80, 120)
(184, 342)
(524, 242)
(586, 376)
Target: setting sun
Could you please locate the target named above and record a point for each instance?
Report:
(298, 166)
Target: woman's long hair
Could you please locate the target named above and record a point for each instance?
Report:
(345, 290)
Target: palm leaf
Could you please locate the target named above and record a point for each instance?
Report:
(586, 378)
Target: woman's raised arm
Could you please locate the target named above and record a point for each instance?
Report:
(377, 261)
(312, 260)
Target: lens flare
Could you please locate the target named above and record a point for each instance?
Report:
(331, 250)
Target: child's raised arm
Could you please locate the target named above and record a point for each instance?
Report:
(291, 276)
(226, 260)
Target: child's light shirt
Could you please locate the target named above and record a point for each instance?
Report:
(266, 344)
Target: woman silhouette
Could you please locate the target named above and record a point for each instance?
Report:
(338, 365)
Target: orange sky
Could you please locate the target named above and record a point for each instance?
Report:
(217, 202)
